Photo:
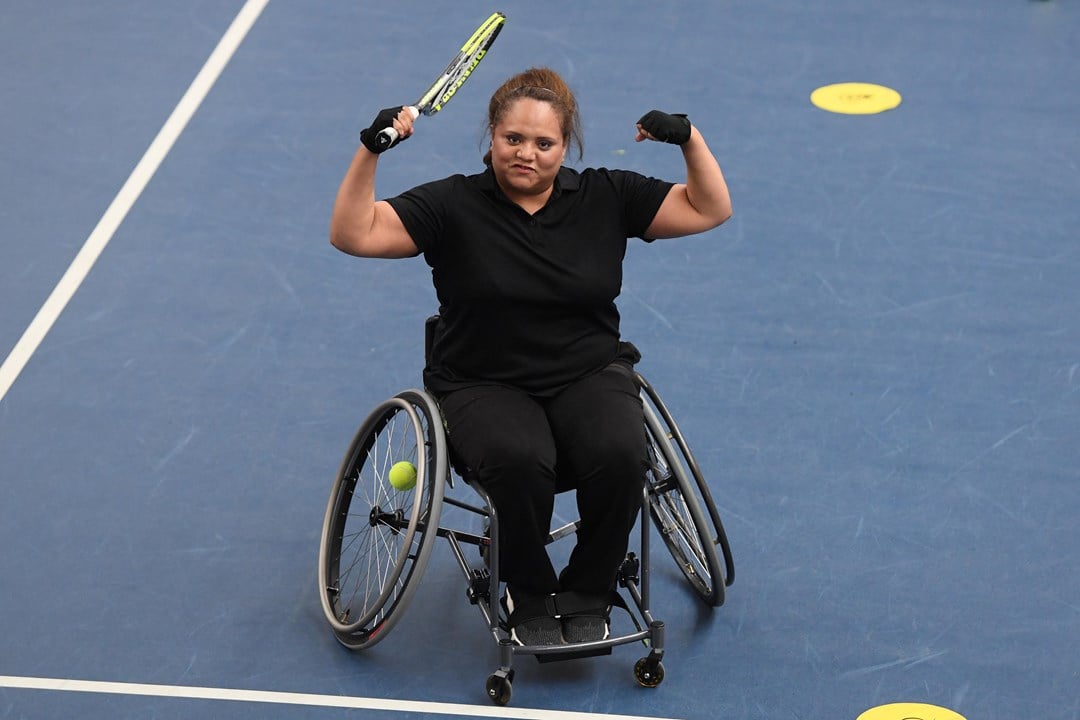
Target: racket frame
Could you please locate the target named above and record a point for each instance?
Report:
(454, 76)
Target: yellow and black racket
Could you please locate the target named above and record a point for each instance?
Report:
(454, 76)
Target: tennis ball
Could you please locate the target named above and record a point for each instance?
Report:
(403, 475)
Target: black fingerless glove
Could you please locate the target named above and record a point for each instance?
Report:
(370, 136)
(674, 129)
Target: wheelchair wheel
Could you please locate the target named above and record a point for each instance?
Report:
(376, 540)
(681, 504)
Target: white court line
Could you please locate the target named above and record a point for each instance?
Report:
(287, 698)
(129, 193)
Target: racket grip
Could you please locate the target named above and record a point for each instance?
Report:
(386, 137)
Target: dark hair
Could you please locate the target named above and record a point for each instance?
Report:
(545, 85)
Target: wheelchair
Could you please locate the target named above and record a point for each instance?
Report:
(377, 539)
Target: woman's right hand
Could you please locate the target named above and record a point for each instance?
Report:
(398, 118)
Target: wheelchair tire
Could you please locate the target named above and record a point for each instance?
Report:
(677, 493)
(377, 540)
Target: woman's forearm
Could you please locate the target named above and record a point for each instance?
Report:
(354, 207)
(706, 188)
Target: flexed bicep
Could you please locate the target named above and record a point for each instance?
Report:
(384, 236)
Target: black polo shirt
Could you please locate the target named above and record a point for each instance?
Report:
(527, 300)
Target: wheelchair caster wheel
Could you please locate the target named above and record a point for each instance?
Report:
(648, 672)
(499, 689)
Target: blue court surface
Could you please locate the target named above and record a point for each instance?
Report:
(876, 360)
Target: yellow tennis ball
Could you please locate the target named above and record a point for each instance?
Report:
(403, 475)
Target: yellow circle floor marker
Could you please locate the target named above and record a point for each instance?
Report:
(855, 98)
(909, 711)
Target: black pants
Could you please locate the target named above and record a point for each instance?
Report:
(591, 437)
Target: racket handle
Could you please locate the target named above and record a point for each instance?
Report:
(386, 137)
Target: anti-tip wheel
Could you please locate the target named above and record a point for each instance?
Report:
(649, 673)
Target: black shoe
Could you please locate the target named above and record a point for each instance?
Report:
(586, 627)
(529, 622)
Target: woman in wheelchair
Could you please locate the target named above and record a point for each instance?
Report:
(535, 385)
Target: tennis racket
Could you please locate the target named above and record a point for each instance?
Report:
(454, 76)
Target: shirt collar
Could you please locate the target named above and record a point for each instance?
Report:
(566, 180)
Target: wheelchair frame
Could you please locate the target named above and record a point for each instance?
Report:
(377, 540)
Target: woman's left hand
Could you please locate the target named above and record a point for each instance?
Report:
(663, 127)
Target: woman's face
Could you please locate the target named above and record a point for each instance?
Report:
(527, 150)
